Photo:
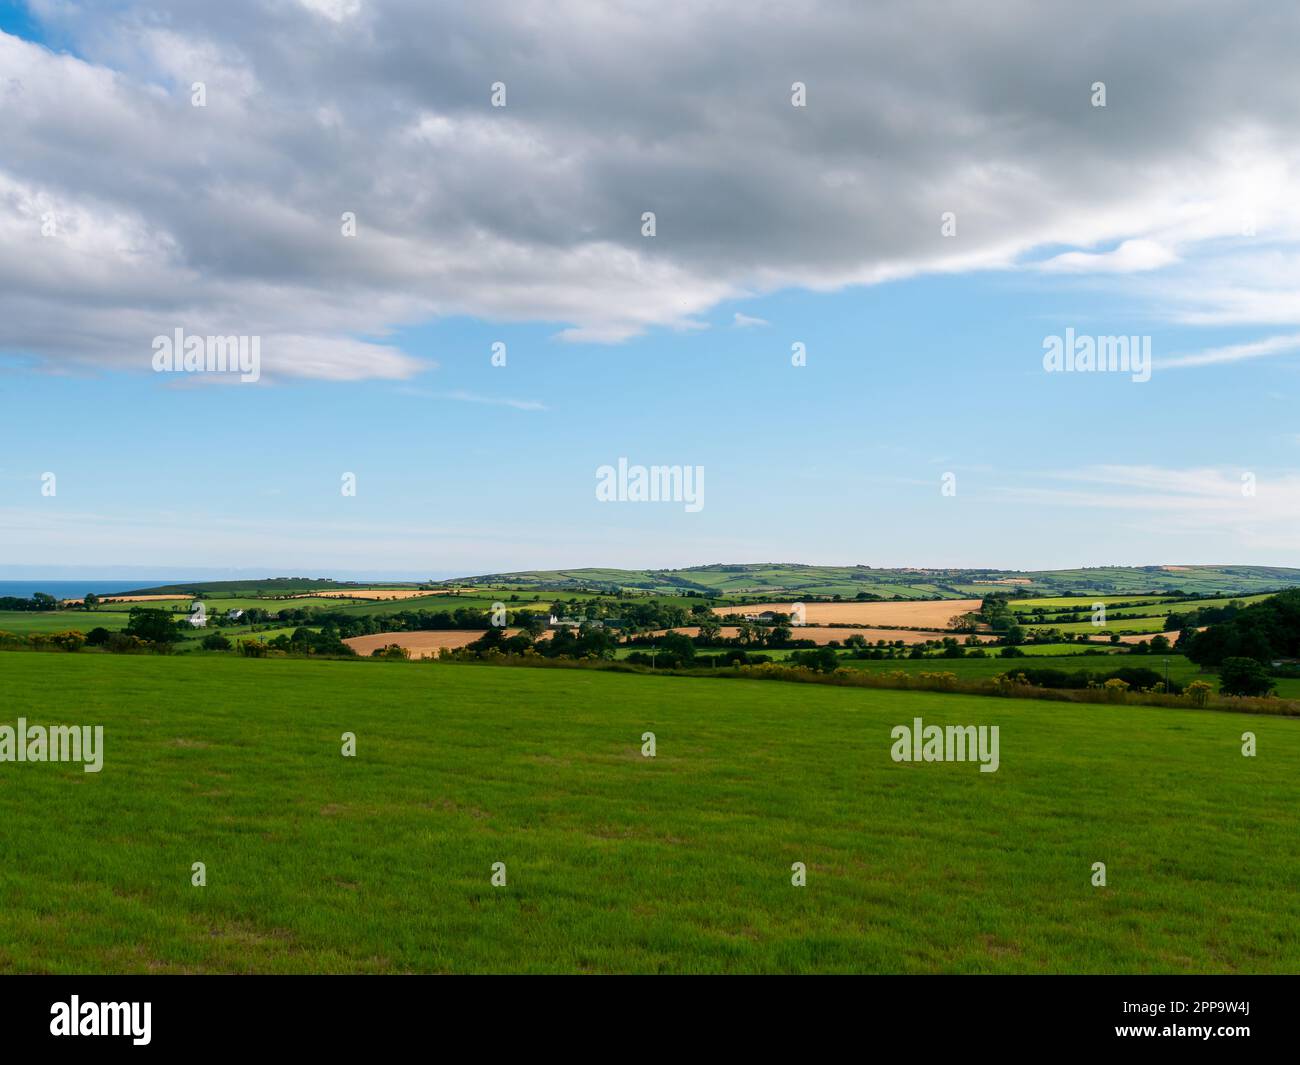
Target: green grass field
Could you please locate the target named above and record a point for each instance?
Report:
(29, 621)
(617, 862)
(1147, 606)
(1181, 670)
(1028, 606)
(1150, 625)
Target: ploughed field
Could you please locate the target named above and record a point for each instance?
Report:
(615, 862)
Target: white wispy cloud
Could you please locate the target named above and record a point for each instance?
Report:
(462, 396)
(1260, 507)
(1130, 257)
(1255, 349)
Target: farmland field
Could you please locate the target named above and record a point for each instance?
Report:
(1150, 625)
(378, 594)
(1147, 606)
(925, 614)
(421, 644)
(618, 862)
(1021, 606)
(27, 621)
(433, 603)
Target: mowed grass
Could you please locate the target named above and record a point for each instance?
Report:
(615, 862)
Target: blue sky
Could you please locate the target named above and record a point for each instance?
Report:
(465, 467)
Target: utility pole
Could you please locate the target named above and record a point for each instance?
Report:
(1166, 676)
(652, 656)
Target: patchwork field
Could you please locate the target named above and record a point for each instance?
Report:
(934, 615)
(616, 862)
(776, 582)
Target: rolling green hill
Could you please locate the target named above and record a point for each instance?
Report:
(762, 580)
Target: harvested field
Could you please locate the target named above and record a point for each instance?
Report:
(136, 599)
(930, 614)
(1138, 637)
(826, 633)
(421, 644)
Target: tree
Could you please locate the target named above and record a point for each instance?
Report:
(489, 641)
(822, 659)
(1263, 631)
(120, 643)
(91, 602)
(679, 645)
(215, 642)
(1244, 676)
(710, 628)
(153, 626)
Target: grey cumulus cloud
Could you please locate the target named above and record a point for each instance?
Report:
(227, 218)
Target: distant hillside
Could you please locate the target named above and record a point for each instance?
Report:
(777, 580)
(774, 579)
(268, 587)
